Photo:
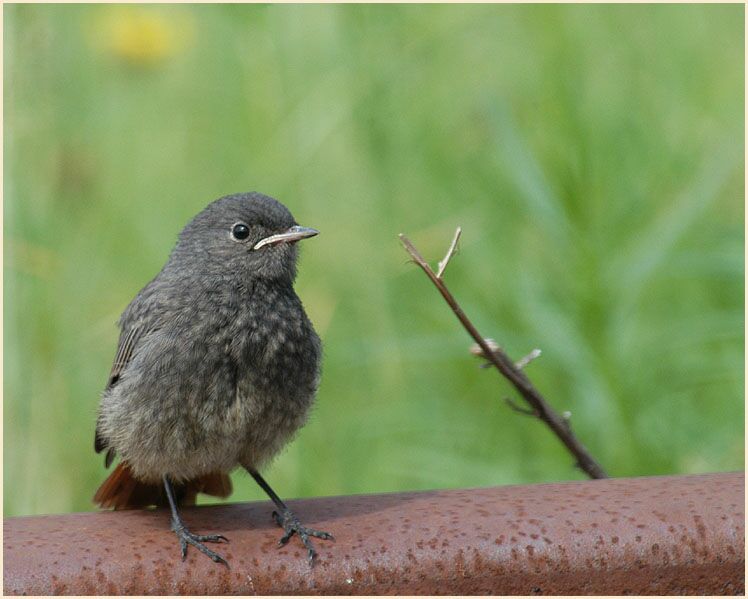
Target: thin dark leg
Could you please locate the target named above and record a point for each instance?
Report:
(185, 536)
(288, 521)
(266, 487)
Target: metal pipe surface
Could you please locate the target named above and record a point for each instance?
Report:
(657, 535)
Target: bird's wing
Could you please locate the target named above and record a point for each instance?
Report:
(128, 342)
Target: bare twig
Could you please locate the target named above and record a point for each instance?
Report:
(509, 370)
(567, 419)
(520, 409)
(450, 253)
(476, 349)
(519, 364)
(522, 362)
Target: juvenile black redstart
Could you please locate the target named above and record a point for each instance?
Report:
(217, 367)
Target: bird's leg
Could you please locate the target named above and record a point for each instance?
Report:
(185, 536)
(288, 521)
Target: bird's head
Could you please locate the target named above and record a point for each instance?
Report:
(248, 233)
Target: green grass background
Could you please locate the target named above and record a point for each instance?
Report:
(592, 154)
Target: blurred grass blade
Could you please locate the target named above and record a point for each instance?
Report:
(523, 169)
(656, 242)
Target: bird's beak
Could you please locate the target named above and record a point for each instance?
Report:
(295, 233)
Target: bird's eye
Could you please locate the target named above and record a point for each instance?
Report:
(240, 231)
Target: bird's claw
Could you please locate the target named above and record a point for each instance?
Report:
(186, 537)
(291, 525)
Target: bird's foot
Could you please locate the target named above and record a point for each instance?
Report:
(186, 537)
(288, 521)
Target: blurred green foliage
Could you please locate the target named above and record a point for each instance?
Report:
(593, 155)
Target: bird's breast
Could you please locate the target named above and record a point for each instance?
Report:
(276, 347)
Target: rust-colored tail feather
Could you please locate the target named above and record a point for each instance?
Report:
(122, 491)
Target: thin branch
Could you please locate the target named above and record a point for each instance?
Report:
(509, 370)
(450, 253)
(567, 419)
(476, 349)
(520, 409)
(519, 364)
(522, 362)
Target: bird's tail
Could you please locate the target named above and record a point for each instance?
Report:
(121, 490)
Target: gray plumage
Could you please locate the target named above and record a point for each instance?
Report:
(218, 363)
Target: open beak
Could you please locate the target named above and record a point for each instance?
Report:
(295, 233)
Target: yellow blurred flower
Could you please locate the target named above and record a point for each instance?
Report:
(142, 35)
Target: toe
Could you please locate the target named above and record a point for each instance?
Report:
(211, 538)
(219, 560)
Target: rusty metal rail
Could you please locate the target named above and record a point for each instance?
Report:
(659, 535)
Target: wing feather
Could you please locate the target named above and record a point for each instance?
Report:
(128, 342)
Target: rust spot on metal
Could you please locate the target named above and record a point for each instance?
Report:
(659, 535)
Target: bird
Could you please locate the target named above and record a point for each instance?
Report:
(216, 368)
